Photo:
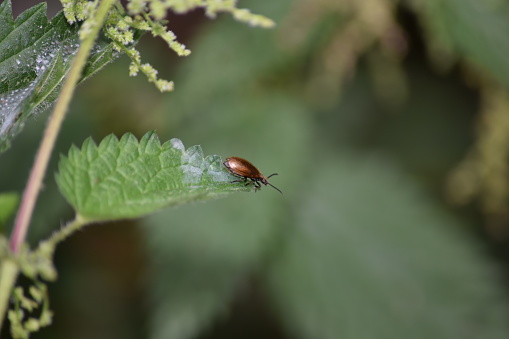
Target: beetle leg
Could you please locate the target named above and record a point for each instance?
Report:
(254, 183)
(243, 179)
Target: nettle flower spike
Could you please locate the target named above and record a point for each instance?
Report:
(149, 15)
(74, 10)
(136, 6)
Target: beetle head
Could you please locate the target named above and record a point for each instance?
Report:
(266, 182)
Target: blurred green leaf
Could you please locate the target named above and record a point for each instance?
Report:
(201, 261)
(35, 56)
(370, 256)
(8, 204)
(475, 30)
(128, 179)
(246, 56)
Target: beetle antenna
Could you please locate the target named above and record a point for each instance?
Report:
(273, 174)
(275, 186)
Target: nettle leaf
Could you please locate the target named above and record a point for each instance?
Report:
(129, 179)
(371, 256)
(35, 56)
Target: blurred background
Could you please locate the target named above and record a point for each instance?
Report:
(388, 123)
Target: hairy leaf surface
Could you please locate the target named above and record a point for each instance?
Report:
(35, 56)
(127, 179)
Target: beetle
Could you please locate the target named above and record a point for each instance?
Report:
(247, 171)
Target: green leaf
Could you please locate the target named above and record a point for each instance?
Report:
(475, 30)
(35, 56)
(8, 204)
(370, 256)
(128, 179)
(202, 261)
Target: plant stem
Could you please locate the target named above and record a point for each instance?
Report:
(9, 273)
(55, 122)
(8, 270)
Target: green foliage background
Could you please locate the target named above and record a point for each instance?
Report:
(371, 121)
